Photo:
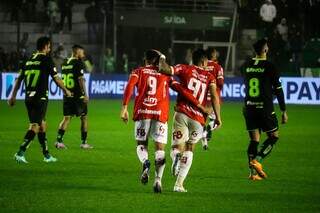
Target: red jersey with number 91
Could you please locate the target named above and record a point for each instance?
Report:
(152, 99)
(197, 81)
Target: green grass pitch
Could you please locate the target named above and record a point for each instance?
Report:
(106, 178)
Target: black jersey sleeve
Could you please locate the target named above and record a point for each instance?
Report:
(50, 66)
(277, 86)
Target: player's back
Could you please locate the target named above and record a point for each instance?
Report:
(152, 100)
(259, 77)
(197, 81)
(71, 70)
(36, 72)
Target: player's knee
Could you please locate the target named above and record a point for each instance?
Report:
(66, 119)
(34, 127)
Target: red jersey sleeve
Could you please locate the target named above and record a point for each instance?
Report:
(133, 79)
(176, 86)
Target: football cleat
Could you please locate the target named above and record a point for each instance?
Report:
(205, 147)
(145, 172)
(50, 159)
(59, 145)
(179, 189)
(255, 177)
(157, 188)
(176, 165)
(258, 167)
(20, 159)
(86, 146)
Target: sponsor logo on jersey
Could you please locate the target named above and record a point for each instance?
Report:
(150, 101)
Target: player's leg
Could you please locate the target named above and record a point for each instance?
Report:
(267, 146)
(142, 128)
(82, 110)
(269, 125)
(159, 133)
(195, 134)
(179, 137)
(28, 138)
(34, 120)
(43, 143)
(61, 130)
(252, 152)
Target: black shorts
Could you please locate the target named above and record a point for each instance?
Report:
(261, 120)
(37, 110)
(74, 107)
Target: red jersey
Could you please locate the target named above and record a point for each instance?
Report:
(152, 99)
(196, 80)
(217, 71)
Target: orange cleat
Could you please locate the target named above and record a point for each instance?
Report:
(255, 177)
(258, 167)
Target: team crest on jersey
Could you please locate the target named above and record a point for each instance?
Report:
(150, 101)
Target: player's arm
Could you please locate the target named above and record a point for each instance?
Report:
(278, 91)
(82, 84)
(60, 84)
(54, 74)
(17, 83)
(176, 86)
(124, 114)
(220, 78)
(215, 102)
(165, 68)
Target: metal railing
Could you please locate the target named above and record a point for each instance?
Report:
(205, 6)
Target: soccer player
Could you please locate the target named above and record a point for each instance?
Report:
(261, 80)
(188, 120)
(215, 68)
(151, 109)
(35, 73)
(76, 105)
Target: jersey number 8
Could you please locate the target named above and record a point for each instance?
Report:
(254, 90)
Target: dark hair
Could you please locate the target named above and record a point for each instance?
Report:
(209, 51)
(258, 46)
(152, 56)
(77, 46)
(42, 42)
(198, 56)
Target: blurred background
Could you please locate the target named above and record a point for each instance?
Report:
(115, 33)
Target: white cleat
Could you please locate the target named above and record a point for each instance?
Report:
(50, 159)
(20, 159)
(179, 189)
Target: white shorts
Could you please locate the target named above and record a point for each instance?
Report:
(157, 130)
(185, 129)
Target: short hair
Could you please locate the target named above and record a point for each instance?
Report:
(198, 56)
(258, 46)
(42, 42)
(151, 55)
(76, 47)
(209, 51)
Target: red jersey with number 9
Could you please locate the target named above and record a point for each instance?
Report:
(152, 98)
(197, 81)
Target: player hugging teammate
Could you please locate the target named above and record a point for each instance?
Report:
(151, 111)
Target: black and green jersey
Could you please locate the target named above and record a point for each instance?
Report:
(72, 70)
(261, 81)
(35, 73)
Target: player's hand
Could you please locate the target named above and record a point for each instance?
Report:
(205, 110)
(68, 93)
(12, 101)
(124, 115)
(284, 117)
(218, 123)
(85, 99)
